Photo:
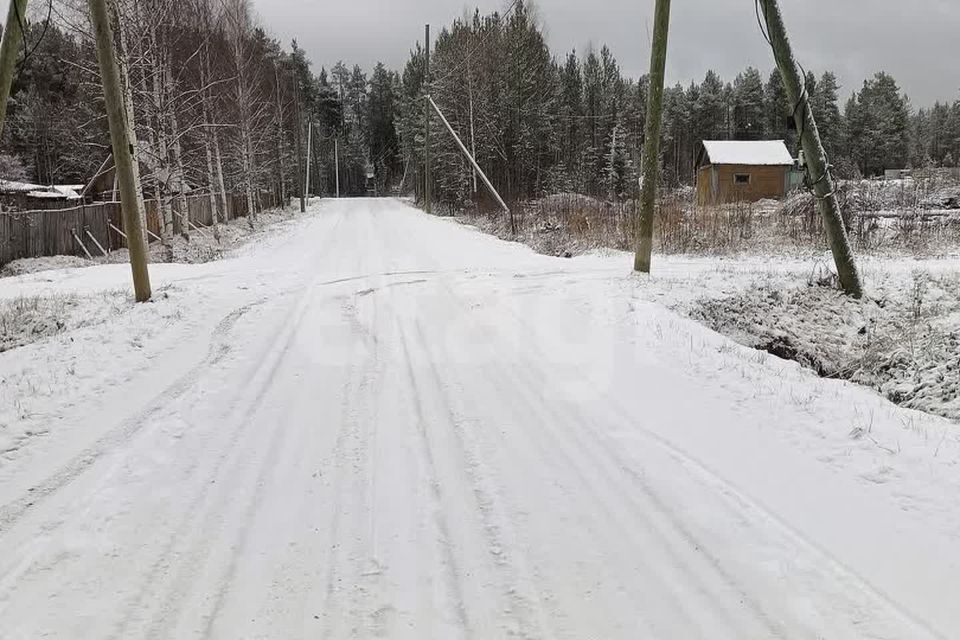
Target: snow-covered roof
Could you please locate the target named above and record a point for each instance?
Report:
(754, 152)
(44, 194)
(39, 190)
(12, 186)
(71, 191)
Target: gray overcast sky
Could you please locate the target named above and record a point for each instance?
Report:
(914, 40)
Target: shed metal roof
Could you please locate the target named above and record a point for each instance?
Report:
(755, 152)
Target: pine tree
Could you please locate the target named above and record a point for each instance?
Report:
(571, 112)
(826, 106)
(748, 106)
(878, 126)
(779, 111)
(709, 110)
(620, 175)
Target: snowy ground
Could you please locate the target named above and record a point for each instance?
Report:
(761, 280)
(380, 423)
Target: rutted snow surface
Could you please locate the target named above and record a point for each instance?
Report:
(383, 424)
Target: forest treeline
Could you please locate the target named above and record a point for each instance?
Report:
(213, 98)
(544, 123)
(223, 107)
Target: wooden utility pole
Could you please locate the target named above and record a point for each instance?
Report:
(306, 182)
(336, 162)
(299, 141)
(9, 51)
(817, 167)
(123, 140)
(651, 144)
(280, 132)
(473, 141)
(427, 173)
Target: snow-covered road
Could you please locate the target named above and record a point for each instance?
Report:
(382, 424)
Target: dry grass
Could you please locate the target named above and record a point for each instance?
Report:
(28, 319)
(881, 218)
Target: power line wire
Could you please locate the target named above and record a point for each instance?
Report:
(28, 53)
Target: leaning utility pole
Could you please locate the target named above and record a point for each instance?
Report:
(9, 50)
(306, 182)
(427, 177)
(651, 144)
(817, 167)
(124, 142)
(473, 161)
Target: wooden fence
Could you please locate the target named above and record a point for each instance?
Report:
(53, 232)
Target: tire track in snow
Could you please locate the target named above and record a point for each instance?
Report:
(504, 382)
(666, 526)
(607, 456)
(352, 571)
(208, 504)
(524, 607)
(240, 415)
(521, 385)
(684, 551)
(243, 414)
(452, 571)
(350, 512)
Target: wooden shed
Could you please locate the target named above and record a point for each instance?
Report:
(742, 171)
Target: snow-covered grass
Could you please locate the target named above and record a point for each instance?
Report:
(61, 343)
(33, 265)
(27, 319)
(901, 340)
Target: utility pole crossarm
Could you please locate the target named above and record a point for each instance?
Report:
(473, 162)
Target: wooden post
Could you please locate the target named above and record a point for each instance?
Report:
(94, 239)
(473, 140)
(306, 183)
(10, 51)
(123, 140)
(197, 229)
(427, 172)
(651, 145)
(299, 141)
(122, 234)
(73, 232)
(818, 169)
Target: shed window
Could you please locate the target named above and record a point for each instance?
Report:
(741, 178)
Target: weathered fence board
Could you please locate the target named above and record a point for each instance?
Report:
(49, 232)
